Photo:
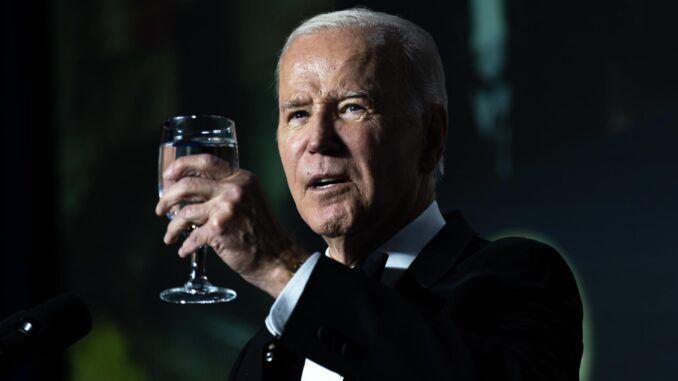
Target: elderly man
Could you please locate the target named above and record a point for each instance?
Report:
(361, 132)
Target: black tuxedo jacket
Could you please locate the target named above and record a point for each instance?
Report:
(466, 309)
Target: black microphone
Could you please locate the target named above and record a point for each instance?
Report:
(47, 328)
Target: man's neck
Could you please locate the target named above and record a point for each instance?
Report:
(349, 249)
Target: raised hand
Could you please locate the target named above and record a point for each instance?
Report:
(230, 214)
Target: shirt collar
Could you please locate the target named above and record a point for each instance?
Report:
(405, 245)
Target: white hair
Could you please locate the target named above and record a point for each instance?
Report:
(423, 72)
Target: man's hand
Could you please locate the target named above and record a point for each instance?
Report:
(233, 218)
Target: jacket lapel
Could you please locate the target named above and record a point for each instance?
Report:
(443, 252)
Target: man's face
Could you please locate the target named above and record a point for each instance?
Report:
(349, 152)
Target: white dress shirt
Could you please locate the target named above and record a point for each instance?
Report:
(402, 249)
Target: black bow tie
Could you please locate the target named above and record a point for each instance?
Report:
(373, 265)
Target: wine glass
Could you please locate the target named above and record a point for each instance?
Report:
(192, 135)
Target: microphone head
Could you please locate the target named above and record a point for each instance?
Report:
(58, 322)
(38, 332)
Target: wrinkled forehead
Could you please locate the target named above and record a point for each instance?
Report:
(349, 49)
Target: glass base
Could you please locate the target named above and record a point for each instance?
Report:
(204, 295)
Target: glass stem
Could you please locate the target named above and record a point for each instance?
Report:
(198, 278)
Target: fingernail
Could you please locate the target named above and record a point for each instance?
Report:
(167, 172)
(182, 252)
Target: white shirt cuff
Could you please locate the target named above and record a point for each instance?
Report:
(284, 305)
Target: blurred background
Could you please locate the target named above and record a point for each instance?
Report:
(563, 127)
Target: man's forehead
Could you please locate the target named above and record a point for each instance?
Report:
(338, 44)
(305, 89)
(354, 64)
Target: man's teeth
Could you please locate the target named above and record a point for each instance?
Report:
(326, 182)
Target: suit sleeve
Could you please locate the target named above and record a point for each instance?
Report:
(509, 311)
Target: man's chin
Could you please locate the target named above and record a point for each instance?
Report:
(331, 229)
(331, 221)
(336, 226)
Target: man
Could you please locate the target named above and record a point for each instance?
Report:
(362, 125)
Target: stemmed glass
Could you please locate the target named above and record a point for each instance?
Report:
(192, 135)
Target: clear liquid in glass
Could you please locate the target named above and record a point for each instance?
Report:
(225, 149)
(198, 290)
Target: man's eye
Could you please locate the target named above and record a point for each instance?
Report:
(297, 115)
(352, 108)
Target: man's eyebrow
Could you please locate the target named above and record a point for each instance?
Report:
(294, 103)
(301, 102)
(356, 94)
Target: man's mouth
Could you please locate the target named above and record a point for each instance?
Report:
(326, 182)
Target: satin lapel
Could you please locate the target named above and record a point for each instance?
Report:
(443, 252)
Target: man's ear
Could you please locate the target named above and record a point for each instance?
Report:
(435, 135)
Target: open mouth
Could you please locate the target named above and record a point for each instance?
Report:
(327, 182)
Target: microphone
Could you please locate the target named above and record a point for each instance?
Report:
(49, 327)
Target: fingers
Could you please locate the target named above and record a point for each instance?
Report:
(203, 165)
(195, 240)
(188, 189)
(186, 218)
(224, 211)
(209, 234)
(216, 214)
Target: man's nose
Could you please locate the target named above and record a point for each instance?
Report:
(323, 135)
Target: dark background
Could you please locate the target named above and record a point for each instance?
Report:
(579, 152)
